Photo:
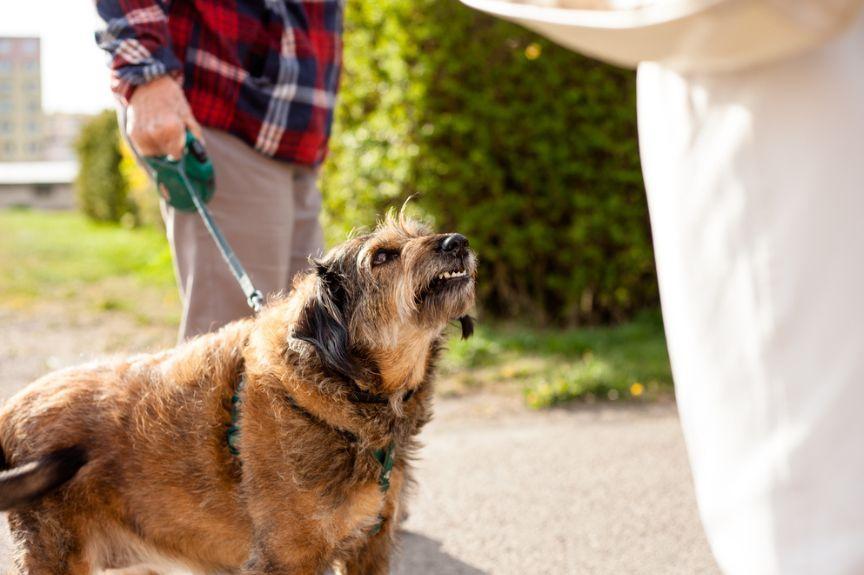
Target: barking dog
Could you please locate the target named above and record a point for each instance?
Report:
(320, 398)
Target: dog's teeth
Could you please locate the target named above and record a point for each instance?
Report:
(448, 275)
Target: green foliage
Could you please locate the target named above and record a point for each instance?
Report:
(101, 187)
(142, 191)
(555, 366)
(65, 257)
(527, 149)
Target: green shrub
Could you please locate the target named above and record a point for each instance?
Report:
(142, 190)
(524, 147)
(101, 188)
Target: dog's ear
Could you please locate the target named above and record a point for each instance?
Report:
(467, 323)
(323, 323)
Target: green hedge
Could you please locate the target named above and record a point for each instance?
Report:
(102, 190)
(526, 148)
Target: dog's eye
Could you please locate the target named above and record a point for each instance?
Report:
(383, 256)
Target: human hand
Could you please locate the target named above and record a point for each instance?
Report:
(157, 118)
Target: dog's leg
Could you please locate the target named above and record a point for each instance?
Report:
(373, 557)
(46, 545)
(294, 556)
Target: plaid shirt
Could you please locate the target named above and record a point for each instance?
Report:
(266, 71)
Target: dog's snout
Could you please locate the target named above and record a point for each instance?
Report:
(454, 244)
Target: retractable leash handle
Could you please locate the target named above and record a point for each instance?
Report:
(166, 173)
(187, 184)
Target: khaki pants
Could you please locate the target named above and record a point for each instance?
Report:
(268, 211)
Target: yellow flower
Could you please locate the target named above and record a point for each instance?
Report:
(508, 372)
(636, 389)
(533, 51)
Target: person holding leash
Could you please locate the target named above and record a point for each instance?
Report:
(751, 135)
(257, 83)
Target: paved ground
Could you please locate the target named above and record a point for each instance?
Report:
(588, 490)
(591, 490)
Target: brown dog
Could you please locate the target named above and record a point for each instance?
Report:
(117, 464)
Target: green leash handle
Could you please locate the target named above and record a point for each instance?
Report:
(187, 184)
(195, 164)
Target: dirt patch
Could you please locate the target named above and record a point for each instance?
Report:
(36, 341)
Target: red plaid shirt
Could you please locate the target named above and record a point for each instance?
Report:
(266, 71)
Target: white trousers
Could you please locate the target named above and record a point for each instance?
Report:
(756, 191)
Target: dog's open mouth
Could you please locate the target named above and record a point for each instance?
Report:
(461, 273)
(448, 278)
(444, 282)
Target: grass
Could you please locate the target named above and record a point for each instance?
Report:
(63, 257)
(555, 366)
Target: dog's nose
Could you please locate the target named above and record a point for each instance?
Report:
(454, 244)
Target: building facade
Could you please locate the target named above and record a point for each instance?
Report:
(61, 131)
(40, 185)
(22, 126)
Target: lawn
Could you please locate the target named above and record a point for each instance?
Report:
(554, 366)
(62, 257)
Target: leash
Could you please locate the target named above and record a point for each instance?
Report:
(188, 184)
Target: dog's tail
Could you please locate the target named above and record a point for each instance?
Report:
(29, 482)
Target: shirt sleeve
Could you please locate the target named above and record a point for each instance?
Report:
(137, 39)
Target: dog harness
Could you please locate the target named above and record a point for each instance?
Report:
(386, 457)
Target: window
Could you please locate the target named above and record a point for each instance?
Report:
(5, 46)
(30, 46)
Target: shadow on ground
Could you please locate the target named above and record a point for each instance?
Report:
(420, 554)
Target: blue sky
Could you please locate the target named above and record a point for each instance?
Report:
(74, 74)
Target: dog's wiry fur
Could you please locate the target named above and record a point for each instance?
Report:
(157, 481)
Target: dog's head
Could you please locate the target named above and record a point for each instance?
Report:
(385, 297)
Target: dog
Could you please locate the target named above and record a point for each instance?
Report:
(279, 444)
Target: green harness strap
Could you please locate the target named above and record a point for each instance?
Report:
(386, 457)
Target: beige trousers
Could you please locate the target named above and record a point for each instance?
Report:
(268, 211)
(756, 190)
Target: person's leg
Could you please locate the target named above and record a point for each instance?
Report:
(756, 191)
(254, 207)
(308, 239)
